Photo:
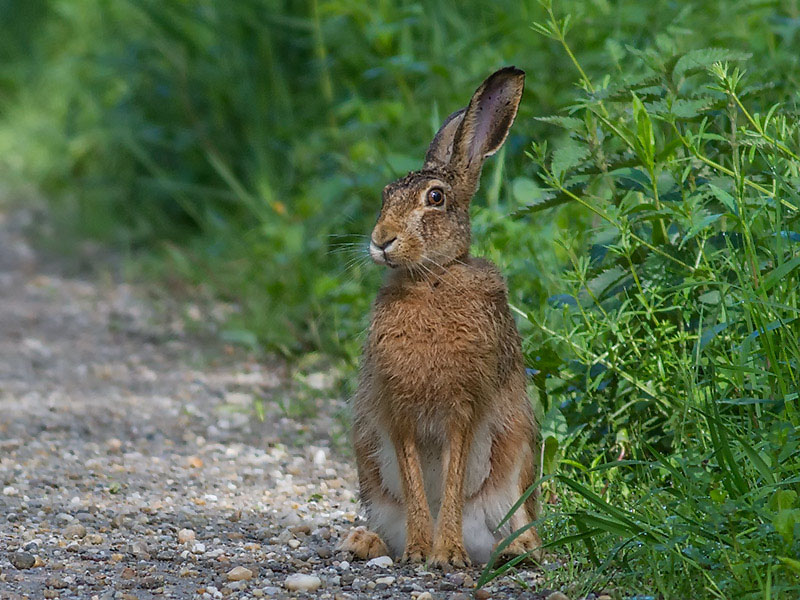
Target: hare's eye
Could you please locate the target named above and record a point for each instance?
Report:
(435, 197)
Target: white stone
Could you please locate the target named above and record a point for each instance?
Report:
(387, 580)
(383, 562)
(186, 536)
(299, 582)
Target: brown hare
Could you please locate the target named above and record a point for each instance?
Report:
(444, 435)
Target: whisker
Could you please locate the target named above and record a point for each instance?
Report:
(354, 248)
(349, 250)
(358, 260)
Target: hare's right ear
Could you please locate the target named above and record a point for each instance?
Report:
(487, 120)
(441, 148)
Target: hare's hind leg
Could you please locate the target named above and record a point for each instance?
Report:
(513, 470)
(528, 542)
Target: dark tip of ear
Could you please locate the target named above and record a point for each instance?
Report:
(505, 76)
(508, 71)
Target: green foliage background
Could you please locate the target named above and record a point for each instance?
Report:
(648, 229)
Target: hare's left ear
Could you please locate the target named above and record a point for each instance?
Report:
(441, 148)
(487, 120)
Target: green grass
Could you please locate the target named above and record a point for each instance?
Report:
(644, 209)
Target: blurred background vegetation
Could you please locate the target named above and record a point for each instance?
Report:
(236, 151)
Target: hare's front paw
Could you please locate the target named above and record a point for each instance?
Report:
(416, 552)
(364, 544)
(450, 554)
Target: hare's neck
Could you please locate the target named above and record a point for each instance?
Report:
(431, 274)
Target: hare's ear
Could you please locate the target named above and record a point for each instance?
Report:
(441, 148)
(487, 119)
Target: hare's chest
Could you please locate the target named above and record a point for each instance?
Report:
(431, 342)
(431, 322)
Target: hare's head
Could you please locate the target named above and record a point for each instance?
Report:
(424, 220)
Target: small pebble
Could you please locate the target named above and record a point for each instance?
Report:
(199, 548)
(385, 580)
(303, 528)
(139, 549)
(239, 574)
(425, 596)
(300, 582)
(74, 531)
(56, 583)
(22, 560)
(557, 596)
(482, 594)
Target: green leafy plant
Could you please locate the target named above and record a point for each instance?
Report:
(672, 350)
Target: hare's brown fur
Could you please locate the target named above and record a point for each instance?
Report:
(443, 431)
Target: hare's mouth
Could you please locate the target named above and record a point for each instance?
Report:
(380, 253)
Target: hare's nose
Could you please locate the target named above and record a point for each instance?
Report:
(385, 245)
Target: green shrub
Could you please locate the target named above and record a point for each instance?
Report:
(670, 359)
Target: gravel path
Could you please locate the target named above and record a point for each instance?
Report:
(132, 464)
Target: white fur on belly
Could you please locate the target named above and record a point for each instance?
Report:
(482, 512)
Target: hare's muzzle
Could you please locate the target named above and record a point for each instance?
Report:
(379, 250)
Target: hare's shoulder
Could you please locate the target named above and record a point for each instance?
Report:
(481, 281)
(487, 276)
